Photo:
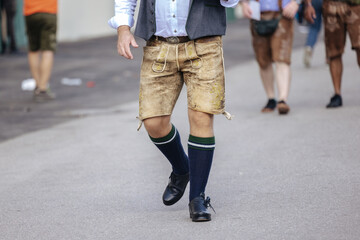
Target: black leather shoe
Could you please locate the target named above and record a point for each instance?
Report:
(198, 208)
(270, 106)
(335, 101)
(175, 189)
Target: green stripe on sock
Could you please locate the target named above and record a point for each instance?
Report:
(200, 140)
(166, 138)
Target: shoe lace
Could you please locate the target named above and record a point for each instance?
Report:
(171, 184)
(208, 204)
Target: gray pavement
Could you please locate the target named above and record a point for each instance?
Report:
(274, 177)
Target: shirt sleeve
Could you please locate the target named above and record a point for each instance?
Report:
(124, 13)
(229, 3)
(285, 2)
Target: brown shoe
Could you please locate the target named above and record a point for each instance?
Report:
(283, 108)
(43, 96)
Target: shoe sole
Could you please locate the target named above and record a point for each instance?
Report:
(169, 203)
(267, 110)
(199, 218)
(283, 111)
(334, 106)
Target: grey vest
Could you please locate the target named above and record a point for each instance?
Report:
(206, 18)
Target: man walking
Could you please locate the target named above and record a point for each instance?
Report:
(275, 47)
(340, 16)
(41, 24)
(183, 45)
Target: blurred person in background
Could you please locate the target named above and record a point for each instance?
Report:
(274, 47)
(41, 25)
(340, 17)
(314, 30)
(9, 8)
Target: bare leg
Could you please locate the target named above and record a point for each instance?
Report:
(158, 127)
(267, 77)
(46, 65)
(336, 69)
(283, 80)
(201, 124)
(34, 64)
(3, 31)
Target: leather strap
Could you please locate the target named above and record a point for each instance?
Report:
(173, 40)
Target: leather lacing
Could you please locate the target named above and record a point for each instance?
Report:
(207, 202)
(171, 184)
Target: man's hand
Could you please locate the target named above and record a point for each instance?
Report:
(125, 38)
(310, 14)
(290, 9)
(246, 9)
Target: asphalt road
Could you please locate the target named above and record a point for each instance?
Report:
(293, 177)
(116, 80)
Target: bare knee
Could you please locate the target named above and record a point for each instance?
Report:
(265, 67)
(201, 124)
(158, 126)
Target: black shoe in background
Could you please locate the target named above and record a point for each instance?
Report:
(198, 208)
(335, 101)
(175, 189)
(270, 106)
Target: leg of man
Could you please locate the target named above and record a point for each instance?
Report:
(283, 73)
(10, 8)
(206, 97)
(313, 34)
(167, 139)
(201, 128)
(283, 77)
(336, 69)
(267, 77)
(3, 36)
(261, 46)
(46, 65)
(281, 46)
(358, 56)
(201, 147)
(335, 28)
(158, 127)
(34, 64)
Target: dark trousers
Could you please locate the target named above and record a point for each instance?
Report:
(9, 6)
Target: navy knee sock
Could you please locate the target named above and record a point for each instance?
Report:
(171, 147)
(201, 151)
